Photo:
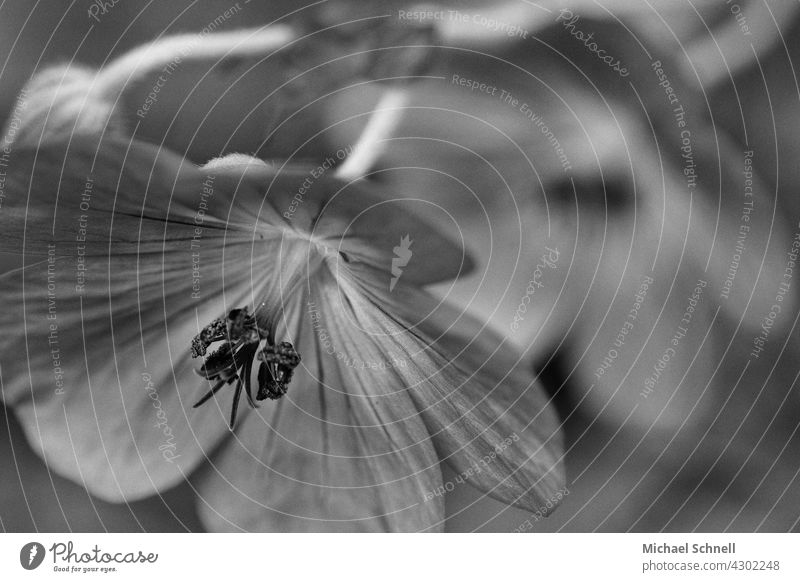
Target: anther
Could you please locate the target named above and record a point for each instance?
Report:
(276, 370)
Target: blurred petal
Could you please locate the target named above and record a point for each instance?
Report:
(361, 222)
(59, 103)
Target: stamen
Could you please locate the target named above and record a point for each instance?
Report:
(232, 362)
(276, 370)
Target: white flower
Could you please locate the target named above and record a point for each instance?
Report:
(130, 251)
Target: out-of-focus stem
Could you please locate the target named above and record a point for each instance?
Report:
(372, 141)
(152, 57)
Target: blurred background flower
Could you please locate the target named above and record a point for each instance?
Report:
(603, 205)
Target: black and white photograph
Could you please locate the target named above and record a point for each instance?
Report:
(339, 266)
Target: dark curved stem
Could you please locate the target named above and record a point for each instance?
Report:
(248, 385)
(210, 393)
(235, 408)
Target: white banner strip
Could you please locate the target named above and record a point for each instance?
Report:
(318, 557)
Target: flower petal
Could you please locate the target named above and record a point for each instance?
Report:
(381, 374)
(353, 218)
(491, 420)
(120, 272)
(344, 450)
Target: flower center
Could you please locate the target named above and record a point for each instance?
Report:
(243, 343)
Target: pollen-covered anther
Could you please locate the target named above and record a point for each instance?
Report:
(233, 360)
(276, 370)
(213, 332)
